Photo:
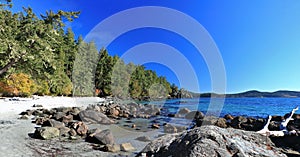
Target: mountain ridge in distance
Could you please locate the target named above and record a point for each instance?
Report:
(253, 94)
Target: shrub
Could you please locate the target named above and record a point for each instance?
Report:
(42, 87)
(17, 84)
(61, 84)
(6, 90)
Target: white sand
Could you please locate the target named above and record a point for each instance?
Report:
(14, 133)
(10, 107)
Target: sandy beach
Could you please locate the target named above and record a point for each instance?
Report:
(17, 142)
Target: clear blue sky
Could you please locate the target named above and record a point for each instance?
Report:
(259, 40)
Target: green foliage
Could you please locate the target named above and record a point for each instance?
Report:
(83, 75)
(60, 84)
(70, 49)
(135, 89)
(27, 41)
(104, 71)
(39, 47)
(114, 77)
(183, 93)
(39, 55)
(157, 91)
(42, 87)
(174, 91)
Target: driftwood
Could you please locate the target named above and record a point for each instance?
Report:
(283, 126)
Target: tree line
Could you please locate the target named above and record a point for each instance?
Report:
(38, 56)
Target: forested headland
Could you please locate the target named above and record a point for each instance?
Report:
(38, 53)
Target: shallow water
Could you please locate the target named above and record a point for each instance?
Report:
(254, 107)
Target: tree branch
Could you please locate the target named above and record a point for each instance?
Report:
(283, 131)
(7, 66)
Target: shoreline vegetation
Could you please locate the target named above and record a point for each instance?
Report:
(40, 55)
(188, 94)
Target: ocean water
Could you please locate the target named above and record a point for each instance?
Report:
(251, 107)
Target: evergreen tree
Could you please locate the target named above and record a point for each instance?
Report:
(104, 72)
(28, 42)
(70, 52)
(44, 51)
(84, 69)
(174, 91)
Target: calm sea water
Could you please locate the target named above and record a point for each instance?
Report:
(254, 107)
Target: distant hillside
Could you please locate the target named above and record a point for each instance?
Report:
(254, 93)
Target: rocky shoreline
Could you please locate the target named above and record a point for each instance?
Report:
(90, 127)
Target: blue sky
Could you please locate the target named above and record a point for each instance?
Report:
(259, 40)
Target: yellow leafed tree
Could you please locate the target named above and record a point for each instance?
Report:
(21, 84)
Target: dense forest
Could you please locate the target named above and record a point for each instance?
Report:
(38, 55)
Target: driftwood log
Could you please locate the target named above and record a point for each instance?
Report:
(283, 126)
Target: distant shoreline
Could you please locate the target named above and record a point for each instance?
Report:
(252, 94)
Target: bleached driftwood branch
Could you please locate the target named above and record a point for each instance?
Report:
(283, 130)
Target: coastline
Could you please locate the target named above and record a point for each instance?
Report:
(17, 139)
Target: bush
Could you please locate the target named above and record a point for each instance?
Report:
(42, 87)
(61, 84)
(5, 90)
(17, 84)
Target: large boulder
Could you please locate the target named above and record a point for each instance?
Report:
(184, 111)
(67, 119)
(221, 122)
(168, 128)
(64, 131)
(249, 124)
(46, 133)
(80, 128)
(277, 118)
(289, 141)
(90, 116)
(40, 120)
(27, 112)
(75, 111)
(228, 117)
(213, 141)
(194, 115)
(113, 112)
(237, 121)
(253, 124)
(273, 126)
(53, 123)
(101, 137)
(59, 115)
(111, 148)
(209, 120)
(127, 147)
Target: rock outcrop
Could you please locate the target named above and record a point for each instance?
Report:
(90, 116)
(46, 133)
(98, 136)
(127, 147)
(213, 141)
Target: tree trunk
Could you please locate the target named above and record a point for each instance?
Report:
(7, 67)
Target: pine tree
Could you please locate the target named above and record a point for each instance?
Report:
(84, 69)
